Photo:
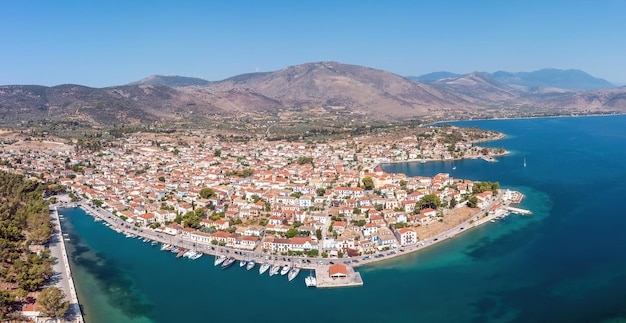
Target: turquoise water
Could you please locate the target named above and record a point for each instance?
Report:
(562, 264)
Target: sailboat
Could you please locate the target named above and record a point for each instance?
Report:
(524, 161)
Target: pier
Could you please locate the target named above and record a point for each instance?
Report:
(324, 280)
(517, 210)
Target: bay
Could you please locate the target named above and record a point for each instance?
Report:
(563, 263)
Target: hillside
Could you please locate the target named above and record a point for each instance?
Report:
(318, 94)
(173, 81)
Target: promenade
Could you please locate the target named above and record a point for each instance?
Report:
(62, 271)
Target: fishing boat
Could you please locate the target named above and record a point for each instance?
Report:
(285, 270)
(250, 264)
(264, 267)
(219, 260)
(228, 262)
(242, 263)
(310, 280)
(293, 273)
(274, 270)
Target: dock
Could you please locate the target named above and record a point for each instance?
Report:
(353, 278)
(517, 210)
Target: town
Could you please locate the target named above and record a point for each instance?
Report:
(325, 200)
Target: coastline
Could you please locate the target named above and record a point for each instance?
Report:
(62, 267)
(319, 264)
(523, 118)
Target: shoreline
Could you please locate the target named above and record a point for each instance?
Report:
(523, 118)
(66, 281)
(319, 264)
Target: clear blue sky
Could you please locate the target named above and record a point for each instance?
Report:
(104, 43)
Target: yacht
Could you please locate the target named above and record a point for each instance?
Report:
(274, 270)
(264, 267)
(250, 264)
(285, 270)
(293, 273)
(188, 254)
(154, 243)
(242, 263)
(310, 281)
(219, 260)
(228, 262)
(165, 246)
(196, 256)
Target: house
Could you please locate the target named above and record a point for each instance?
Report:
(369, 229)
(146, 219)
(337, 271)
(339, 227)
(406, 236)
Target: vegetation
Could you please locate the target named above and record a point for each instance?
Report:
(24, 220)
(51, 303)
(429, 201)
(486, 186)
(368, 183)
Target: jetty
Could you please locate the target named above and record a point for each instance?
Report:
(337, 275)
(517, 210)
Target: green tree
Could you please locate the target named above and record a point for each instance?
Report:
(51, 302)
(320, 191)
(472, 201)
(291, 233)
(368, 183)
(430, 200)
(318, 234)
(191, 219)
(161, 179)
(207, 192)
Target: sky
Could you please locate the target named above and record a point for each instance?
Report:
(107, 43)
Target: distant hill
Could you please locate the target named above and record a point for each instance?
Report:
(173, 81)
(317, 93)
(434, 76)
(544, 78)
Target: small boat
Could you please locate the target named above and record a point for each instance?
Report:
(310, 281)
(219, 259)
(264, 267)
(228, 262)
(180, 252)
(97, 220)
(242, 263)
(274, 270)
(145, 240)
(130, 235)
(154, 243)
(166, 247)
(250, 265)
(285, 270)
(174, 249)
(196, 256)
(189, 253)
(293, 273)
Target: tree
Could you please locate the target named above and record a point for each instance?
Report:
(320, 191)
(472, 201)
(191, 219)
(51, 302)
(291, 233)
(430, 200)
(161, 179)
(368, 183)
(318, 234)
(207, 192)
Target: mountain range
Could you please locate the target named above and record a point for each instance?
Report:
(321, 92)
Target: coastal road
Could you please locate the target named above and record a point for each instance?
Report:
(62, 273)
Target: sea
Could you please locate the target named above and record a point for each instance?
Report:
(564, 263)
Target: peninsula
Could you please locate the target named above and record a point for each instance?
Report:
(306, 205)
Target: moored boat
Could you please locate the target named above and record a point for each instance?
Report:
(228, 262)
(154, 243)
(188, 253)
(196, 256)
(293, 273)
(310, 281)
(274, 270)
(250, 265)
(285, 270)
(264, 267)
(219, 260)
(242, 263)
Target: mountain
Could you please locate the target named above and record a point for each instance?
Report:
(544, 78)
(320, 94)
(434, 76)
(173, 81)
(342, 88)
